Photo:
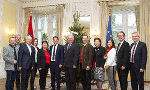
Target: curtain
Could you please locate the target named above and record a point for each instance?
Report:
(59, 21)
(144, 31)
(27, 13)
(105, 12)
(137, 14)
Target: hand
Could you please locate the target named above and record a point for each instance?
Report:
(141, 70)
(106, 67)
(40, 69)
(123, 67)
(15, 61)
(74, 66)
(32, 68)
(60, 66)
(87, 68)
(20, 68)
(101, 69)
(105, 57)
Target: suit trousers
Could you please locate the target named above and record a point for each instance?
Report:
(123, 75)
(70, 74)
(18, 73)
(137, 78)
(43, 75)
(11, 75)
(25, 73)
(55, 75)
(111, 72)
(85, 78)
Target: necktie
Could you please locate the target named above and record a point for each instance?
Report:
(15, 54)
(54, 53)
(132, 59)
(118, 47)
(68, 47)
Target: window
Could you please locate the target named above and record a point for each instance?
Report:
(44, 24)
(123, 19)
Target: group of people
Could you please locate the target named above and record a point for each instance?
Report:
(25, 59)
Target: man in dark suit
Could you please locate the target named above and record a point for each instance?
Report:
(26, 56)
(57, 59)
(70, 62)
(17, 46)
(86, 58)
(138, 62)
(123, 50)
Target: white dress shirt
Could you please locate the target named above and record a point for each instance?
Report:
(53, 51)
(111, 58)
(120, 46)
(133, 52)
(36, 50)
(29, 48)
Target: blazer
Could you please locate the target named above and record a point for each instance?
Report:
(8, 57)
(140, 55)
(111, 58)
(99, 53)
(123, 55)
(25, 60)
(59, 54)
(41, 58)
(71, 55)
(87, 55)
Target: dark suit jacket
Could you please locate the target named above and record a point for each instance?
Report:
(87, 55)
(99, 56)
(123, 57)
(41, 58)
(59, 54)
(140, 56)
(71, 55)
(25, 60)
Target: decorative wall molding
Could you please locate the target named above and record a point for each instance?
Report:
(2, 63)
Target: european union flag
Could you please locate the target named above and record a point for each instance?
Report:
(109, 30)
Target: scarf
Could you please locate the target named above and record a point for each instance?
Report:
(108, 50)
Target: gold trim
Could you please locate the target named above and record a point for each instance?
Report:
(46, 6)
(34, 1)
(117, 2)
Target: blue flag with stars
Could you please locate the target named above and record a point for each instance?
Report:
(109, 30)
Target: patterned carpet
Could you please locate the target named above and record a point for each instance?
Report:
(63, 87)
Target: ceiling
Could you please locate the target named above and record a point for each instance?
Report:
(73, 0)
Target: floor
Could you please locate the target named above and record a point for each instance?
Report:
(105, 85)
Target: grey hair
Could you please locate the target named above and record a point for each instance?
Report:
(70, 36)
(136, 33)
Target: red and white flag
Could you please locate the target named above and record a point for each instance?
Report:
(30, 29)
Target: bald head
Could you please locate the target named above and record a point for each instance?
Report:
(12, 41)
(28, 40)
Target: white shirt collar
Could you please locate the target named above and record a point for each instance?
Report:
(55, 45)
(29, 48)
(84, 44)
(136, 43)
(122, 41)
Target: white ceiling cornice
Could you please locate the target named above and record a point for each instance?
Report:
(17, 3)
(52, 2)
